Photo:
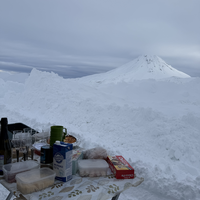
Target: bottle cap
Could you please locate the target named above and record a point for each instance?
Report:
(57, 142)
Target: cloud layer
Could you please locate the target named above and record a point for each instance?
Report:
(77, 38)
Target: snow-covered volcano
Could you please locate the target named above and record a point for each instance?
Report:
(143, 67)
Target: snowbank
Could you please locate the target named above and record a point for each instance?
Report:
(154, 124)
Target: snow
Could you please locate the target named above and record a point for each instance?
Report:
(152, 121)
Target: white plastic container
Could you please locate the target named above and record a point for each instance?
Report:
(35, 180)
(93, 167)
(12, 169)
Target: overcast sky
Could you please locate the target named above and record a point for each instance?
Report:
(75, 38)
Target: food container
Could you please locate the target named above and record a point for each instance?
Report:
(12, 169)
(35, 180)
(76, 155)
(72, 140)
(69, 139)
(92, 167)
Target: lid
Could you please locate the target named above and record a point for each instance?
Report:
(36, 175)
(46, 147)
(92, 163)
(20, 166)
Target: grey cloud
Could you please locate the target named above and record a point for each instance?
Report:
(96, 36)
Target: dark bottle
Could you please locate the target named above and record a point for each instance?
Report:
(5, 145)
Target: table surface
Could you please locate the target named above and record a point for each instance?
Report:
(79, 188)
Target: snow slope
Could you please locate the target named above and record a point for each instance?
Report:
(153, 123)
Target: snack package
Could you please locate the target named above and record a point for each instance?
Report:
(120, 167)
(95, 153)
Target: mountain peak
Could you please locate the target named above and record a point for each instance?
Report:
(153, 63)
(145, 67)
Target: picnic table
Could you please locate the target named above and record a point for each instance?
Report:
(78, 188)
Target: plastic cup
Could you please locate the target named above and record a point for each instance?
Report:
(57, 133)
(57, 130)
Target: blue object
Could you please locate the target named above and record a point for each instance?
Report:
(62, 161)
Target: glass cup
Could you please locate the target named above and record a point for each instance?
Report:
(16, 142)
(30, 140)
(23, 146)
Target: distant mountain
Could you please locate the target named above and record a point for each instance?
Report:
(15, 77)
(143, 67)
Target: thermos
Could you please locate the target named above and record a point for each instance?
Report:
(5, 145)
(46, 158)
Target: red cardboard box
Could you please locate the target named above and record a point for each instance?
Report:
(120, 167)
